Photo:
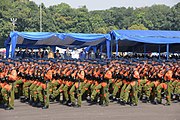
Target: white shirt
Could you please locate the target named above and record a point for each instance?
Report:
(75, 54)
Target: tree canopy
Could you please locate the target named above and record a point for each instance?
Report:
(64, 18)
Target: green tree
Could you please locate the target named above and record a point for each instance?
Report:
(63, 18)
(137, 27)
(174, 17)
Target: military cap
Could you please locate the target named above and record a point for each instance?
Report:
(12, 63)
(93, 62)
(133, 64)
(134, 60)
(49, 59)
(60, 60)
(102, 63)
(16, 59)
(141, 62)
(9, 58)
(35, 59)
(96, 59)
(43, 63)
(45, 59)
(167, 60)
(39, 63)
(6, 63)
(174, 60)
(75, 64)
(160, 64)
(46, 63)
(55, 59)
(123, 63)
(155, 64)
(119, 59)
(39, 59)
(1, 61)
(52, 60)
(23, 60)
(81, 65)
(30, 60)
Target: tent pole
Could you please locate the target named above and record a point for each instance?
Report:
(167, 51)
(101, 48)
(94, 49)
(159, 51)
(144, 50)
(111, 44)
(7, 51)
(108, 47)
(53, 48)
(10, 51)
(116, 47)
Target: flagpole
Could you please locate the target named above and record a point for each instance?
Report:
(40, 24)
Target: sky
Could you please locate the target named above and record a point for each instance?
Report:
(106, 4)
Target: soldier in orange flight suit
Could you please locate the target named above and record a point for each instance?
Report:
(8, 88)
(43, 89)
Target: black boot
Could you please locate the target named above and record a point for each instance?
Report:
(176, 98)
(92, 102)
(31, 102)
(27, 100)
(144, 99)
(45, 107)
(39, 104)
(113, 99)
(133, 104)
(156, 102)
(104, 105)
(147, 100)
(34, 104)
(122, 102)
(167, 104)
(73, 104)
(9, 108)
(51, 98)
(65, 102)
(77, 106)
(22, 99)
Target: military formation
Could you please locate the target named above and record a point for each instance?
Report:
(71, 81)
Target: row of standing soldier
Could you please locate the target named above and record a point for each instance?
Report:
(66, 55)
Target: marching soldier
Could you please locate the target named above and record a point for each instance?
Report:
(103, 79)
(8, 89)
(77, 87)
(166, 85)
(125, 79)
(43, 89)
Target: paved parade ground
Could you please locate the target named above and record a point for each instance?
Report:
(114, 111)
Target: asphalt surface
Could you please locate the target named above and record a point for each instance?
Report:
(114, 111)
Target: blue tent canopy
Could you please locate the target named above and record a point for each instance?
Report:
(147, 37)
(39, 39)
